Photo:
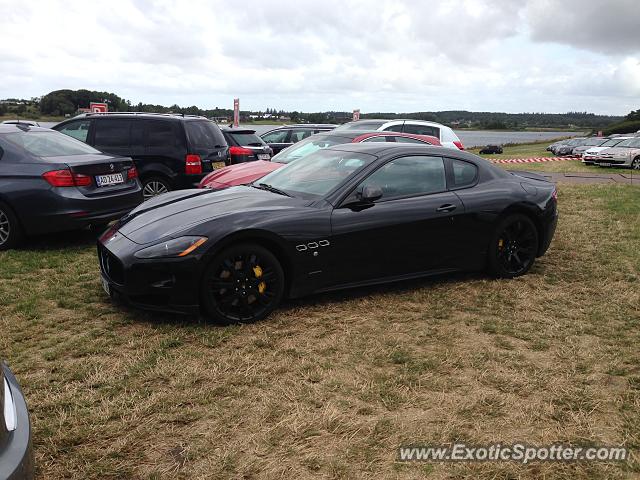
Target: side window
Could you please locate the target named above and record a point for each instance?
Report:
(410, 140)
(394, 128)
(379, 138)
(279, 136)
(464, 173)
(77, 130)
(160, 134)
(409, 176)
(422, 130)
(112, 133)
(297, 135)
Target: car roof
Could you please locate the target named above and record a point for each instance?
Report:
(380, 148)
(237, 130)
(22, 127)
(145, 115)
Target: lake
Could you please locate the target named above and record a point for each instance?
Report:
(470, 138)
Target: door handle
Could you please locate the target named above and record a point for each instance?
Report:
(447, 207)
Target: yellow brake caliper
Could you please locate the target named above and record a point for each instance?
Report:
(257, 271)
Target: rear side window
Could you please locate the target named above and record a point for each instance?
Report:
(422, 130)
(204, 134)
(160, 134)
(394, 128)
(77, 130)
(112, 133)
(464, 173)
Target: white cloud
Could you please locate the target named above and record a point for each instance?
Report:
(405, 55)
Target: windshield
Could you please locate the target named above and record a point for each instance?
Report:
(594, 142)
(626, 143)
(318, 173)
(612, 142)
(49, 144)
(204, 134)
(308, 146)
(362, 125)
(247, 139)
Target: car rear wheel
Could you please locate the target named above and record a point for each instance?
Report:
(244, 283)
(513, 247)
(10, 230)
(635, 164)
(154, 186)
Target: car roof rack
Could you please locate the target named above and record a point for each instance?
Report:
(169, 114)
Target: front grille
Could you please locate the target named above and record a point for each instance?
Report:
(111, 266)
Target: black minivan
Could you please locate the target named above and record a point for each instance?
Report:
(170, 151)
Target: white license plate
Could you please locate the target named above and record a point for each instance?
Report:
(604, 164)
(105, 286)
(107, 180)
(264, 156)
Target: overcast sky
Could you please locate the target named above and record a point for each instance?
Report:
(310, 55)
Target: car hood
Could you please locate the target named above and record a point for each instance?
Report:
(173, 213)
(240, 174)
(614, 150)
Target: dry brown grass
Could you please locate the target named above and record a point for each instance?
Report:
(331, 385)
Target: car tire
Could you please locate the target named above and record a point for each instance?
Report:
(635, 164)
(513, 247)
(242, 284)
(11, 233)
(154, 186)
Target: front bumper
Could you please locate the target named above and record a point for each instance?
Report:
(16, 452)
(163, 284)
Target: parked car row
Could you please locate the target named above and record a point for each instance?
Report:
(614, 151)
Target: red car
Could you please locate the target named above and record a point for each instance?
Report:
(245, 173)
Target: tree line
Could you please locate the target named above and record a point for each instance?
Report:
(67, 102)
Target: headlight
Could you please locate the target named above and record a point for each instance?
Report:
(10, 417)
(178, 247)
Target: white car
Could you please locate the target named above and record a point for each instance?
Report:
(446, 136)
(592, 154)
(624, 154)
(31, 123)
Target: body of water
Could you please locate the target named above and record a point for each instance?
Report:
(470, 138)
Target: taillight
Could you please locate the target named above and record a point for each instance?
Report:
(459, 144)
(240, 151)
(132, 173)
(65, 178)
(193, 164)
(555, 194)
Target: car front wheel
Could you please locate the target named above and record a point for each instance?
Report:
(10, 231)
(635, 164)
(513, 247)
(244, 283)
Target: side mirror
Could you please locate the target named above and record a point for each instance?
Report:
(370, 193)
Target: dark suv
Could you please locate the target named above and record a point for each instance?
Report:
(282, 137)
(170, 151)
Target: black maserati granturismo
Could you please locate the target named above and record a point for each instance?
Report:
(344, 216)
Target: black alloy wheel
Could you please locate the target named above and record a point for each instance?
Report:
(10, 231)
(514, 246)
(244, 284)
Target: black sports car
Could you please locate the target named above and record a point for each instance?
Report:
(344, 216)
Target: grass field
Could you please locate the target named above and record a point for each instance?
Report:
(533, 150)
(331, 385)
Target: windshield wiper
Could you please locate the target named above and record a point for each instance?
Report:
(271, 188)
